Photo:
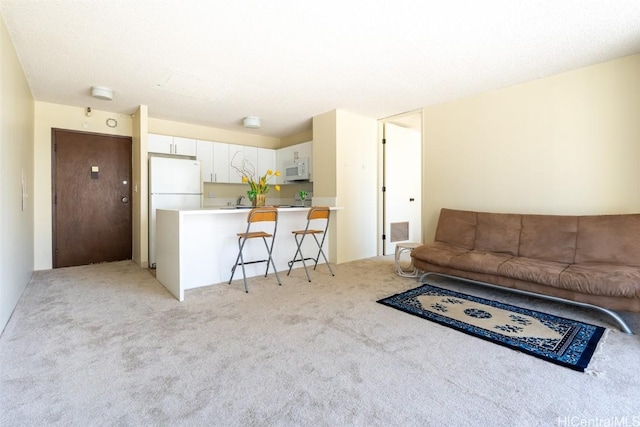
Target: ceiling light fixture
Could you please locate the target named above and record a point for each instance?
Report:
(101, 92)
(251, 122)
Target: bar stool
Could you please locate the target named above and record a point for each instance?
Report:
(269, 214)
(401, 248)
(315, 215)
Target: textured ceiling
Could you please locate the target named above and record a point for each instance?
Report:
(212, 62)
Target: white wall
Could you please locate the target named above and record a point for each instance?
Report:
(16, 162)
(566, 144)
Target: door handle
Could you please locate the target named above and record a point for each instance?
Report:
(125, 199)
(411, 199)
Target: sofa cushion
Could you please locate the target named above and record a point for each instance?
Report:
(499, 233)
(549, 237)
(437, 253)
(456, 227)
(602, 279)
(479, 261)
(533, 270)
(609, 239)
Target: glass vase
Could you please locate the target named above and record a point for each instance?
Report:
(259, 200)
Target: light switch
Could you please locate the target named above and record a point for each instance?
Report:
(95, 169)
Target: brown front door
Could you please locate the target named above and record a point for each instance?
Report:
(91, 176)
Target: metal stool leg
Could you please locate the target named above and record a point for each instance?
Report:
(321, 252)
(270, 260)
(240, 257)
(295, 257)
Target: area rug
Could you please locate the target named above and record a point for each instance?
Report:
(556, 339)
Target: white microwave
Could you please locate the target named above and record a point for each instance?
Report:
(297, 170)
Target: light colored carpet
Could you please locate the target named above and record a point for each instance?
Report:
(107, 345)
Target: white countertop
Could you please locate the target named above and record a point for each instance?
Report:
(232, 209)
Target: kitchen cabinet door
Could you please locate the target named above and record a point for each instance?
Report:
(266, 160)
(173, 145)
(236, 154)
(159, 144)
(204, 153)
(184, 146)
(251, 158)
(220, 162)
(243, 156)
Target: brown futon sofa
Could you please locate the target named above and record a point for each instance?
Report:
(589, 261)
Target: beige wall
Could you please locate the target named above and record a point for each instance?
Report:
(140, 207)
(324, 154)
(345, 162)
(16, 182)
(167, 127)
(566, 144)
(297, 138)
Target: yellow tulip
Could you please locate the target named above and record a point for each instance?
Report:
(277, 188)
(269, 172)
(245, 179)
(277, 173)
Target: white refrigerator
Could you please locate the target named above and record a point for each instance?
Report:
(173, 184)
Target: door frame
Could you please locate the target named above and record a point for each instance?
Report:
(54, 178)
(404, 119)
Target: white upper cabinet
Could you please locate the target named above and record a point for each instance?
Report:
(220, 162)
(236, 155)
(243, 156)
(159, 144)
(304, 150)
(266, 160)
(184, 146)
(204, 153)
(174, 145)
(216, 157)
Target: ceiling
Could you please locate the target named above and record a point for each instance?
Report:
(212, 62)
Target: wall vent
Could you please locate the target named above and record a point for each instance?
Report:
(399, 231)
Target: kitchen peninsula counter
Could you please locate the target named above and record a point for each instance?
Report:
(196, 248)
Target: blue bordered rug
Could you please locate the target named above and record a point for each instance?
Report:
(556, 339)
